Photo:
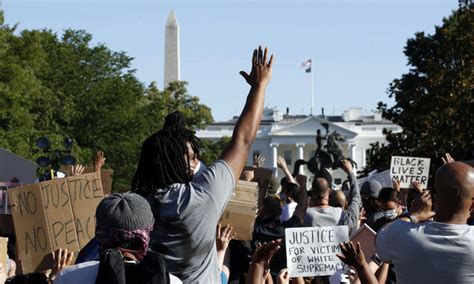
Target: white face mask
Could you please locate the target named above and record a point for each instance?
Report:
(390, 214)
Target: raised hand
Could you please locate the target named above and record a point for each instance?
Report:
(396, 185)
(352, 255)
(421, 207)
(264, 252)
(417, 186)
(99, 160)
(281, 163)
(61, 259)
(224, 235)
(283, 276)
(447, 158)
(346, 166)
(77, 170)
(258, 161)
(261, 72)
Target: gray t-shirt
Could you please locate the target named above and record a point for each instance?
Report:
(186, 217)
(320, 217)
(429, 252)
(332, 216)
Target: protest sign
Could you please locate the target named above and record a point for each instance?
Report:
(311, 251)
(410, 169)
(31, 228)
(382, 177)
(366, 237)
(106, 175)
(54, 214)
(57, 206)
(3, 253)
(241, 209)
(85, 192)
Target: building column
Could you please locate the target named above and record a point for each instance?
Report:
(275, 156)
(300, 147)
(364, 159)
(352, 147)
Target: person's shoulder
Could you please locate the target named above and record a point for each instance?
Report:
(294, 221)
(398, 227)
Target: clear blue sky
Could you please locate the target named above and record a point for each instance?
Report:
(356, 46)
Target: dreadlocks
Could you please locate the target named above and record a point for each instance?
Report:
(161, 160)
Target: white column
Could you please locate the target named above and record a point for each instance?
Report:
(300, 147)
(353, 151)
(363, 162)
(275, 155)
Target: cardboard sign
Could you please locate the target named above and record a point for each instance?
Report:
(54, 214)
(31, 228)
(85, 192)
(410, 169)
(106, 175)
(366, 237)
(3, 253)
(57, 206)
(311, 251)
(241, 210)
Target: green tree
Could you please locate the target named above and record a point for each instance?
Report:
(212, 150)
(434, 100)
(58, 86)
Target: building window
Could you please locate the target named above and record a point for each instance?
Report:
(369, 128)
(287, 156)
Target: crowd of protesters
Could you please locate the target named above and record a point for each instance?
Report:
(166, 230)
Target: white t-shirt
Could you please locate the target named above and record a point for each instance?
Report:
(429, 252)
(86, 273)
(287, 211)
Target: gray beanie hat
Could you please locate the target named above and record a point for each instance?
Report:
(371, 188)
(126, 211)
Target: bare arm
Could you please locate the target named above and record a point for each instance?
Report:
(260, 262)
(302, 201)
(281, 163)
(382, 272)
(246, 128)
(352, 255)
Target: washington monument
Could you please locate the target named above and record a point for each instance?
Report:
(171, 50)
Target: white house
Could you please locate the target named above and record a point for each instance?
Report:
(293, 136)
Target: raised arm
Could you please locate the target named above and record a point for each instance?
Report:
(351, 215)
(249, 121)
(281, 163)
(302, 201)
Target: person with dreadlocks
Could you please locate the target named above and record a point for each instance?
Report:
(187, 209)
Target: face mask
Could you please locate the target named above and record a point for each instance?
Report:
(390, 214)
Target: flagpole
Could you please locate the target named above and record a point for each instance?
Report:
(312, 89)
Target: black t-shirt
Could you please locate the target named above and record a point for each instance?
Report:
(267, 230)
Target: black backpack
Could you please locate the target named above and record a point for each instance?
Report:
(113, 270)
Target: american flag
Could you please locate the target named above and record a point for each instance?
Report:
(307, 66)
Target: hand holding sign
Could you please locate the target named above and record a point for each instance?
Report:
(409, 169)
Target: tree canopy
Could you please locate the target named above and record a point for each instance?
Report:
(61, 85)
(434, 100)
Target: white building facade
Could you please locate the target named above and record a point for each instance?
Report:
(293, 136)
